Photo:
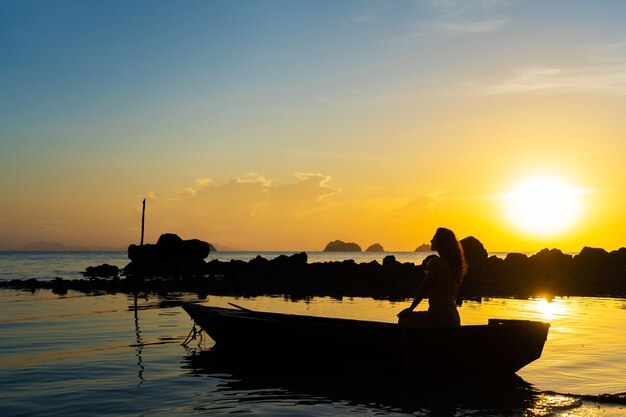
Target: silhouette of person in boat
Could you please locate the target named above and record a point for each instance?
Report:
(444, 274)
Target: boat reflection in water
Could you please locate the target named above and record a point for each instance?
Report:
(243, 380)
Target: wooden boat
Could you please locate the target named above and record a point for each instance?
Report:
(501, 346)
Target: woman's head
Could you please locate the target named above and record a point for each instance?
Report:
(450, 249)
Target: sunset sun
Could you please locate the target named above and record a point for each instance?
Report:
(543, 206)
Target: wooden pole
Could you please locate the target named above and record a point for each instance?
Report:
(143, 216)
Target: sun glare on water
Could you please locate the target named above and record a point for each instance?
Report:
(549, 310)
(543, 206)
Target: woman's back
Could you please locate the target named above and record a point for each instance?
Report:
(443, 292)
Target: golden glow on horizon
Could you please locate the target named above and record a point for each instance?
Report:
(544, 206)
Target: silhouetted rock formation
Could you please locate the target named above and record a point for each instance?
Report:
(170, 255)
(588, 257)
(292, 276)
(104, 270)
(593, 272)
(340, 246)
(550, 260)
(476, 257)
(475, 253)
(423, 248)
(376, 247)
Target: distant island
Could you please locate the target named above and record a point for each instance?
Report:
(43, 246)
(376, 247)
(341, 246)
(423, 248)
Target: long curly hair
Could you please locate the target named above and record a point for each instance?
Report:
(450, 250)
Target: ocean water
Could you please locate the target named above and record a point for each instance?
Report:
(69, 265)
(120, 355)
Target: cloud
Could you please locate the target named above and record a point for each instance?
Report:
(253, 212)
(466, 17)
(198, 185)
(461, 28)
(555, 80)
(603, 74)
(463, 7)
(423, 202)
(456, 18)
(253, 178)
(254, 197)
(306, 195)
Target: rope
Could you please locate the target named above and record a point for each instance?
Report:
(194, 334)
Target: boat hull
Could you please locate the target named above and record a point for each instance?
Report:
(503, 346)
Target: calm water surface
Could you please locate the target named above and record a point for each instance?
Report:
(113, 355)
(116, 355)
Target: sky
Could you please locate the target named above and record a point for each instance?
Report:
(283, 125)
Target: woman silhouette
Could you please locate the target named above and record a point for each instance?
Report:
(444, 275)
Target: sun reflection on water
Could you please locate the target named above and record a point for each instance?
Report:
(549, 404)
(548, 310)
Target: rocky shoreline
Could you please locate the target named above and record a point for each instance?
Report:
(174, 265)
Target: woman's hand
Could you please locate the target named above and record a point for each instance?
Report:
(404, 312)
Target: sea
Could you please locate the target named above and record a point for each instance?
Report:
(122, 355)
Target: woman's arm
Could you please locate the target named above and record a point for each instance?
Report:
(424, 289)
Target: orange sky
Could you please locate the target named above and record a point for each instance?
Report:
(273, 126)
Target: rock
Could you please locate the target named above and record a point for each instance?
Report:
(390, 260)
(618, 257)
(258, 261)
(170, 255)
(376, 247)
(169, 242)
(550, 255)
(299, 258)
(592, 257)
(516, 260)
(340, 246)
(104, 270)
(289, 262)
(494, 261)
(195, 249)
(550, 260)
(423, 248)
(475, 253)
(142, 252)
(59, 286)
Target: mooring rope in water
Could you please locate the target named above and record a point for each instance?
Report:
(194, 334)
